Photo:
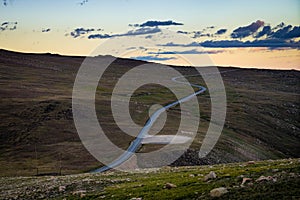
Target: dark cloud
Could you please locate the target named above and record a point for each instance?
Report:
(157, 23)
(140, 31)
(269, 43)
(266, 31)
(8, 26)
(210, 27)
(281, 25)
(99, 36)
(83, 2)
(81, 31)
(198, 34)
(183, 32)
(193, 51)
(4, 23)
(221, 31)
(245, 31)
(46, 30)
(152, 58)
(287, 32)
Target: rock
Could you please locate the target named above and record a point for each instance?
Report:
(246, 180)
(136, 198)
(217, 192)
(81, 193)
(61, 188)
(169, 186)
(264, 178)
(251, 162)
(211, 175)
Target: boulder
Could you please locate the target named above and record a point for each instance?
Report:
(169, 186)
(217, 192)
(211, 175)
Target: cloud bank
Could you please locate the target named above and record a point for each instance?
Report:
(270, 43)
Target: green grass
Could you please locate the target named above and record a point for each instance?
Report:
(149, 184)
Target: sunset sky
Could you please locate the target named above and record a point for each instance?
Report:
(257, 33)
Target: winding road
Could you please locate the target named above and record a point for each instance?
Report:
(135, 144)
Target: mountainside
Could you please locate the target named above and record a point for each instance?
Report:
(38, 136)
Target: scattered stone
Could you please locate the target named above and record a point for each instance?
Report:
(245, 180)
(81, 193)
(61, 188)
(264, 178)
(169, 186)
(217, 192)
(211, 175)
(136, 198)
(192, 175)
(251, 162)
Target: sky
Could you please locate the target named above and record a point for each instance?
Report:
(256, 33)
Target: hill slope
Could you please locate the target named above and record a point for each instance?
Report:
(37, 132)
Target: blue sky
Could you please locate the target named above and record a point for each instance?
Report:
(113, 17)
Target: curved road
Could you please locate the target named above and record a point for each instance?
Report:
(135, 144)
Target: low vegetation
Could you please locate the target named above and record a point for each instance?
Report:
(270, 179)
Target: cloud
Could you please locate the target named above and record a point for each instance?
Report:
(193, 51)
(46, 30)
(99, 36)
(140, 31)
(269, 43)
(171, 44)
(157, 23)
(83, 2)
(183, 32)
(82, 31)
(266, 31)
(221, 31)
(287, 32)
(152, 58)
(245, 31)
(8, 26)
(198, 34)
(281, 25)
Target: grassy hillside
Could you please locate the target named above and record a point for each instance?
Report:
(270, 179)
(37, 132)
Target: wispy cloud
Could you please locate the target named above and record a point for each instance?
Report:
(153, 58)
(193, 51)
(157, 23)
(140, 31)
